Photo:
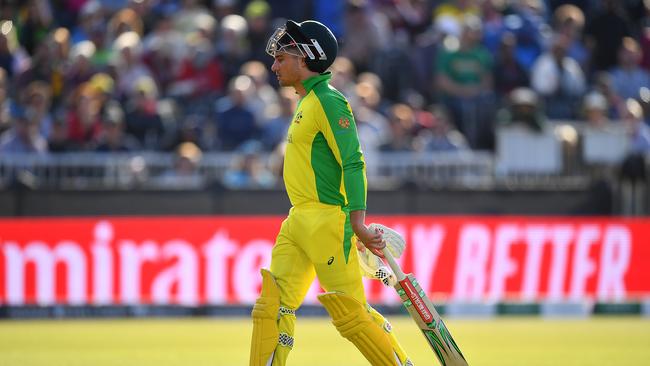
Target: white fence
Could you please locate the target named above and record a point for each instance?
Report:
(548, 159)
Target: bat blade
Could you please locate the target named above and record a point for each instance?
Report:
(429, 321)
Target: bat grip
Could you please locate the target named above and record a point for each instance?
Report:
(392, 263)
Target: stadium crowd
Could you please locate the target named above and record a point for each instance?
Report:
(192, 76)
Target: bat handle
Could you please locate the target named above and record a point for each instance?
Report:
(393, 264)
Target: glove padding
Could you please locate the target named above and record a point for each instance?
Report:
(395, 243)
(371, 265)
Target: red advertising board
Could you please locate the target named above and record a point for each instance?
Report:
(216, 260)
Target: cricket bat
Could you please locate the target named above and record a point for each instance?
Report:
(425, 316)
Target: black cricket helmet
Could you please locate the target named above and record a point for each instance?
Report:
(309, 39)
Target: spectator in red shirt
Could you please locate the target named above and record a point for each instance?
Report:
(84, 123)
(201, 73)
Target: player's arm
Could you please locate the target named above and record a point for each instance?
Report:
(372, 239)
(341, 135)
(340, 132)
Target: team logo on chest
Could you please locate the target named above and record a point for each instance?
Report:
(298, 117)
(344, 122)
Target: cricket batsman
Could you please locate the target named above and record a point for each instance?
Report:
(324, 175)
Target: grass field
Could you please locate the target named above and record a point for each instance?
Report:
(215, 341)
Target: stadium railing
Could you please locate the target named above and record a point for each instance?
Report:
(463, 169)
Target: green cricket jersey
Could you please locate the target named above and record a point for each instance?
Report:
(323, 160)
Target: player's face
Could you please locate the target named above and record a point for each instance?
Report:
(287, 68)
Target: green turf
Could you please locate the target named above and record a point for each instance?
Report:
(214, 341)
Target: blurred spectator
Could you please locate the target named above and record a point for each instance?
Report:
(632, 115)
(569, 20)
(493, 24)
(60, 60)
(41, 67)
(523, 109)
(23, 136)
(409, 18)
(366, 33)
(393, 65)
(261, 95)
(142, 118)
(163, 50)
(185, 172)
(34, 21)
(373, 128)
(248, 170)
(509, 73)
(221, 8)
(144, 10)
(559, 80)
(440, 134)
(37, 99)
(527, 22)
(191, 16)
(104, 85)
(83, 119)
(603, 84)
(276, 161)
(80, 67)
(595, 110)
(125, 20)
(424, 117)
(61, 44)
(233, 48)
(449, 16)
(633, 172)
(8, 47)
(128, 63)
(402, 124)
(91, 19)
(200, 76)
(113, 138)
(58, 141)
(343, 75)
(465, 81)
(235, 120)
(257, 14)
(102, 57)
(423, 54)
(605, 33)
(628, 77)
(366, 113)
(191, 129)
(274, 130)
(376, 83)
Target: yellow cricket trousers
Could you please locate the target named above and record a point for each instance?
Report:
(316, 240)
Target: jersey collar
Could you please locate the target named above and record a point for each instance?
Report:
(311, 82)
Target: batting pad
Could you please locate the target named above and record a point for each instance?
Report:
(265, 322)
(353, 321)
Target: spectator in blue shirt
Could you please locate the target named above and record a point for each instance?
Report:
(24, 136)
(235, 121)
(628, 77)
